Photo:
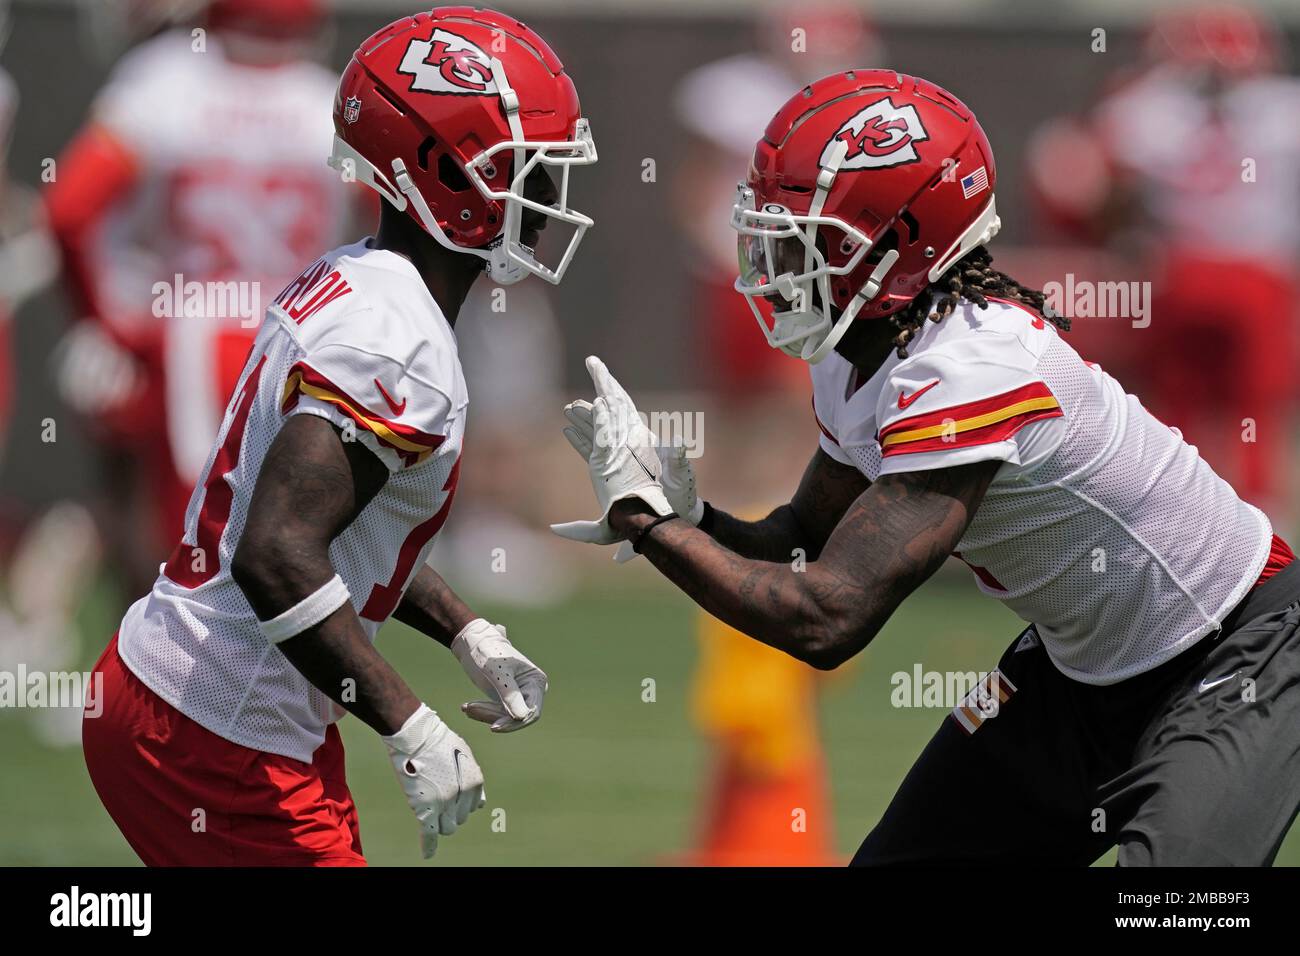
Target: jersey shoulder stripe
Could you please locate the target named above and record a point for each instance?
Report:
(980, 422)
(412, 445)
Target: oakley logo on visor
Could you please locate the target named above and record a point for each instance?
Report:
(879, 136)
(448, 63)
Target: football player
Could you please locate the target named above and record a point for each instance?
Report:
(1153, 700)
(333, 471)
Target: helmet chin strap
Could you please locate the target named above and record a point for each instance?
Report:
(803, 297)
(399, 193)
(422, 210)
(825, 180)
(504, 266)
(812, 354)
(982, 230)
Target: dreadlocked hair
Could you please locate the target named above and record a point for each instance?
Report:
(973, 278)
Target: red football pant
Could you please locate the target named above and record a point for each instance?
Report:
(182, 796)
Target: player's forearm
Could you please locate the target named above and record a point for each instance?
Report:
(339, 660)
(801, 528)
(336, 655)
(774, 538)
(802, 610)
(433, 608)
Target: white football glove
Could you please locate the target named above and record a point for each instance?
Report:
(515, 684)
(622, 460)
(442, 780)
(675, 472)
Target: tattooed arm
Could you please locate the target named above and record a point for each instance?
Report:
(892, 538)
(312, 486)
(823, 496)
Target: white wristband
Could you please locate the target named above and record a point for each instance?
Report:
(308, 612)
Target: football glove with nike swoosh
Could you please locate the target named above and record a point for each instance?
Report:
(514, 684)
(438, 772)
(622, 462)
(675, 472)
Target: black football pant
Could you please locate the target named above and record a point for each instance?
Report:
(1194, 763)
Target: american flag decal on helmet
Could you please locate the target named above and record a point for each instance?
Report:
(974, 183)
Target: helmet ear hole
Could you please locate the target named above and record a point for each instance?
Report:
(451, 175)
(913, 227)
(422, 154)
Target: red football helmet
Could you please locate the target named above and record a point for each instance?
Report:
(866, 187)
(445, 114)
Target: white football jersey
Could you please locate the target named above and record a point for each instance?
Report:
(1102, 526)
(357, 340)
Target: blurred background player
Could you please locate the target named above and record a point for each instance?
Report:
(200, 163)
(1190, 164)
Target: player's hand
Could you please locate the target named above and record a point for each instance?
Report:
(675, 472)
(514, 684)
(442, 780)
(621, 460)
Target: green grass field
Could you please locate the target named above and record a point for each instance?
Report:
(604, 778)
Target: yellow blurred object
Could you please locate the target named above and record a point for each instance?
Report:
(757, 700)
(766, 803)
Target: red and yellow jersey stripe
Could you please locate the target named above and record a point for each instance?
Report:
(411, 444)
(974, 423)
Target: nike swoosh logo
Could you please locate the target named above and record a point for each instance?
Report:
(456, 754)
(648, 473)
(1207, 685)
(905, 400)
(397, 409)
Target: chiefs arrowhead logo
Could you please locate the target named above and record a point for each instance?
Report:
(448, 63)
(880, 135)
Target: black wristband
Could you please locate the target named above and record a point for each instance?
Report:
(706, 519)
(636, 541)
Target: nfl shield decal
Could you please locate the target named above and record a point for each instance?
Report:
(351, 109)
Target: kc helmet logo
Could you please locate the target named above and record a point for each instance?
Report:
(880, 135)
(448, 63)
